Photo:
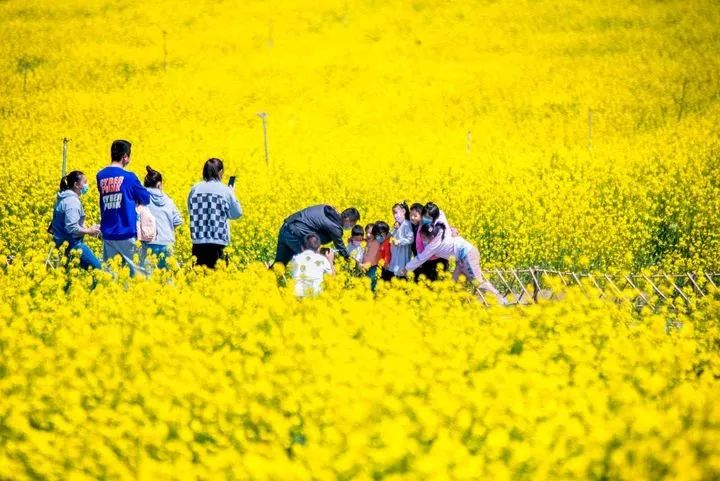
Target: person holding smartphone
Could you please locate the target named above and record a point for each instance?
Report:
(212, 205)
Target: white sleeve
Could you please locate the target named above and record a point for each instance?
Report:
(327, 267)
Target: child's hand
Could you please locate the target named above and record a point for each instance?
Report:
(396, 225)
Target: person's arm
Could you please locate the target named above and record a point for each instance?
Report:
(424, 256)
(335, 232)
(138, 192)
(235, 209)
(73, 226)
(177, 220)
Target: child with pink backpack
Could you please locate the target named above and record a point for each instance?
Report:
(157, 222)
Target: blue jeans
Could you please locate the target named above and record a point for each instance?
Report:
(161, 252)
(87, 257)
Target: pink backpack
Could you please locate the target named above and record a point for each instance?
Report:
(146, 224)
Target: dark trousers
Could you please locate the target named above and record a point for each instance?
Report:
(430, 269)
(287, 246)
(208, 254)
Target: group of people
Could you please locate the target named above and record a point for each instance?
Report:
(131, 211)
(420, 240)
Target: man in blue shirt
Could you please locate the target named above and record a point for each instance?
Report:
(120, 192)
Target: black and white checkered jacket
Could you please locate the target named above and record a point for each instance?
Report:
(211, 204)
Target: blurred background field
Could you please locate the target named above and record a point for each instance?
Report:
(481, 107)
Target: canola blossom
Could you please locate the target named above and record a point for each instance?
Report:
(225, 376)
(568, 135)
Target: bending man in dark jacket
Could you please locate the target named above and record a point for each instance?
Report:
(322, 220)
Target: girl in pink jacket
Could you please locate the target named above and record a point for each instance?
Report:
(467, 256)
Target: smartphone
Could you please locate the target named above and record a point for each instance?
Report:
(231, 182)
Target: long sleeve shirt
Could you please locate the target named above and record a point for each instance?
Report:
(372, 252)
(385, 253)
(211, 204)
(401, 251)
(68, 217)
(120, 193)
(443, 248)
(321, 220)
(442, 219)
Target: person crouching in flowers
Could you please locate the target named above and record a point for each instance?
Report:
(211, 205)
(402, 239)
(309, 267)
(167, 218)
(68, 223)
(438, 244)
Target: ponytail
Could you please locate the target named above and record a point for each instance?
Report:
(69, 181)
(153, 177)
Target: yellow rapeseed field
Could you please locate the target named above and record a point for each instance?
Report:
(567, 134)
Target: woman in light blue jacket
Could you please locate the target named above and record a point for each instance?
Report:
(68, 223)
(167, 218)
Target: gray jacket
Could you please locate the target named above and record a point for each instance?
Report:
(167, 216)
(68, 217)
(322, 220)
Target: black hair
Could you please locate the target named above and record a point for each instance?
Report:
(118, 149)
(403, 205)
(69, 181)
(212, 169)
(351, 214)
(369, 226)
(324, 250)
(417, 207)
(380, 227)
(357, 230)
(311, 242)
(432, 210)
(153, 177)
(433, 230)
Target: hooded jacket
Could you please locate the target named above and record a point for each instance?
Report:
(167, 216)
(68, 217)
